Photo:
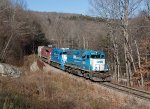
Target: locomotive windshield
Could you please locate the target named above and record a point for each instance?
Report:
(64, 52)
(95, 56)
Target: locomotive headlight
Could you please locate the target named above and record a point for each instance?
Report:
(95, 68)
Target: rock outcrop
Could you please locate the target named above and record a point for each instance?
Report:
(8, 70)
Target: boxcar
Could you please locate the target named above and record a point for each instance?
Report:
(39, 50)
(45, 53)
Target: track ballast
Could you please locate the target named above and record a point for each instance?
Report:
(129, 90)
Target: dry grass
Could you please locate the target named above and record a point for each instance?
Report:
(49, 91)
(28, 60)
(58, 90)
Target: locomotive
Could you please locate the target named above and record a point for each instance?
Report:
(87, 63)
(59, 57)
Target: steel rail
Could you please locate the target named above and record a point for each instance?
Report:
(129, 90)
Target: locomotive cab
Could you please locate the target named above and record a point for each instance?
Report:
(64, 56)
(98, 62)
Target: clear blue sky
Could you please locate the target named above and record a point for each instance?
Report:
(65, 6)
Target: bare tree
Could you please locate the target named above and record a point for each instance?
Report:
(121, 11)
(17, 31)
(108, 9)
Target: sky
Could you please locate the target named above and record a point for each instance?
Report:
(65, 6)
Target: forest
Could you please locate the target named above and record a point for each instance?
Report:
(120, 28)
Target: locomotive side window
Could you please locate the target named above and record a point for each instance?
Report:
(88, 56)
(102, 56)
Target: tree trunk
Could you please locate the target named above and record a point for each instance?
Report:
(84, 42)
(116, 55)
(142, 80)
(87, 44)
(126, 45)
(126, 62)
(118, 64)
(132, 60)
(138, 55)
(139, 64)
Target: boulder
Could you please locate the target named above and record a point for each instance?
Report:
(34, 67)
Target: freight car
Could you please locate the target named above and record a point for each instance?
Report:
(44, 52)
(39, 51)
(88, 63)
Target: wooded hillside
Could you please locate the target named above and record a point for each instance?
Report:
(18, 30)
(21, 31)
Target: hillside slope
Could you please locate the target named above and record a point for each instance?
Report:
(50, 88)
(72, 30)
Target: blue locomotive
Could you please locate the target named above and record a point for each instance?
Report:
(87, 63)
(59, 57)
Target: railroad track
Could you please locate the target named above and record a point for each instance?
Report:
(129, 90)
